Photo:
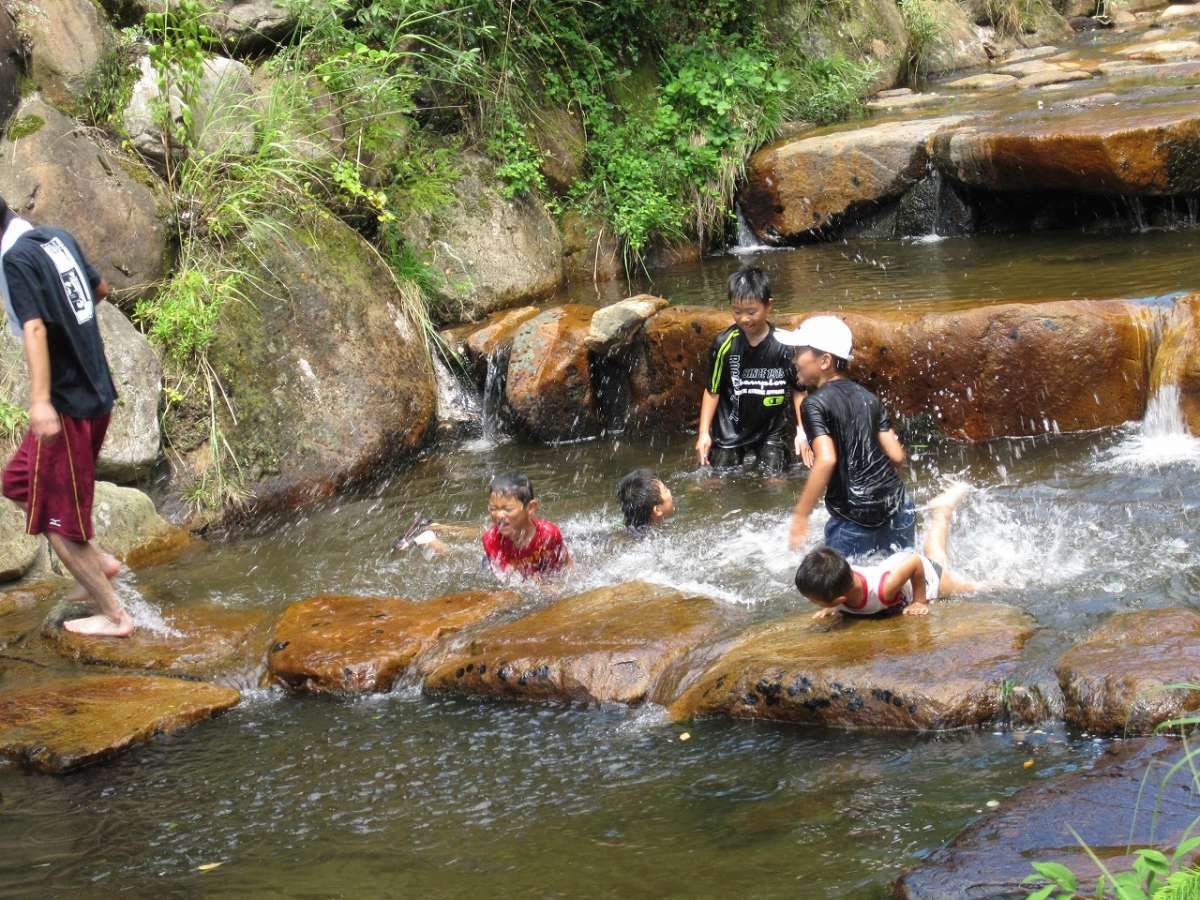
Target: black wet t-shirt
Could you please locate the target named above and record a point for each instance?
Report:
(751, 384)
(865, 487)
(50, 279)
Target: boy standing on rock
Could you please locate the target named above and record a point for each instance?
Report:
(744, 404)
(49, 291)
(857, 454)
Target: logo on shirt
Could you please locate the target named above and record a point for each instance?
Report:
(74, 285)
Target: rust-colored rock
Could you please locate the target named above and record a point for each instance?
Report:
(1177, 362)
(204, 641)
(494, 337)
(362, 644)
(1145, 144)
(1107, 805)
(63, 725)
(622, 644)
(1112, 681)
(798, 187)
(944, 670)
(23, 609)
(549, 385)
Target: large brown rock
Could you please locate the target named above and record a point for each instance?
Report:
(1177, 363)
(202, 641)
(329, 376)
(130, 528)
(1107, 805)
(492, 338)
(66, 40)
(1148, 143)
(802, 187)
(63, 725)
(549, 384)
(1113, 681)
(945, 670)
(623, 644)
(55, 174)
(363, 644)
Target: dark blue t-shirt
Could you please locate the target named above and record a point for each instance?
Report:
(50, 279)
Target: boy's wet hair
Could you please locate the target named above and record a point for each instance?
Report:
(513, 484)
(750, 283)
(638, 493)
(824, 574)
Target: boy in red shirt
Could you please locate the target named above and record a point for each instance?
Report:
(518, 541)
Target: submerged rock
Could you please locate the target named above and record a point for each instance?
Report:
(620, 644)
(945, 670)
(362, 644)
(63, 725)
(1106, 805)
(1113, 681)
(198, 641)
(53, 173)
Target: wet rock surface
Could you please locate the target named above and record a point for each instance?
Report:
(990, 858)
(199, 641)
(549, 384)
(620, 644)
(1177, 362)
(944, 670)
(363, 644)
(62, 725)
(1112, 681)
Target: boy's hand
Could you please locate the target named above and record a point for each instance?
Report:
(703, 445)
(804, 450)
(830, 612)
(44, 421)
(798, 533)
(916, 609)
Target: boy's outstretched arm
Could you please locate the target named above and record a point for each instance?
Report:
(708, 409)
(892, 447)
(911, 570)
(824, 462)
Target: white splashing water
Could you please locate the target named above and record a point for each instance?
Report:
(747, 240)
(1160, 439)
(145, 614)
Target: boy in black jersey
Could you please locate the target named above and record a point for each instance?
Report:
(744, 404)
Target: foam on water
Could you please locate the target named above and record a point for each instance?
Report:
(1161, 439)
(145, 614)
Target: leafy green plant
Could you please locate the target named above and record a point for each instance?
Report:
(108, 88)
(830, 90)
(924, 27)
(520, 161)
(14, 420)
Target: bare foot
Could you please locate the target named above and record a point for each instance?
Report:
(110, 566)
(949, 498)
(101, 626)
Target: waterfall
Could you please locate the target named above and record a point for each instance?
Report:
(747, 240)
(457, 404)
(1161, 439)
(493, 395)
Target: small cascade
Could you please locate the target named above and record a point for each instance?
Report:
(493, 396)
(747, 241)
(1162, 438)
(458, 406)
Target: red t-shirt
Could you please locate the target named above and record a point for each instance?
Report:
(544, 553)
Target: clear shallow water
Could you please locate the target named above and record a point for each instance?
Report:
(936, 275)
(402, 794)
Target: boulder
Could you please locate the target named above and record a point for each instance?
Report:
(559, 136)
(223, 116)
(801, 188)
(946, 670)
(363, 644)
(1178, 13)
(66, 39)
(251, 26)
(623, 644)
(1114, 680)
(128, 526)
(492, 339)
(330, 378)
(1146, 145)
(1104, 804)
(1162, 51)
(614, 326)
(1177, 363)
(131, 445)
(197, 641)
(493, 252)
(955, 43)
(59, 726)
(12, 57)
(591, 252)
(18, 550)
(55, 174)
(549, 384)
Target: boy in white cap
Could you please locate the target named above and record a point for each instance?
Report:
(857, 454)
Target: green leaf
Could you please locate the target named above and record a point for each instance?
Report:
(1062, 876)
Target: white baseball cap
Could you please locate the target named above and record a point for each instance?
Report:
(828, 334)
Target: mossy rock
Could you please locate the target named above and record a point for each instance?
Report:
(23, 127)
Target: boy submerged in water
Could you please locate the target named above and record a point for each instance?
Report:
(904, 581)
(744, 404)
(517, 541)
(645, 502)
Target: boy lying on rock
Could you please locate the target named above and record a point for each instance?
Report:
(903, 581)
(518, 542)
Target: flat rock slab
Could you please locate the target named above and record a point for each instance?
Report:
(335, 644)
(620, 644)
(63, 725)
(990, 858)
(1112, 681)
(201, 641)
(906, 101)
(1163, 51)
(944, 670)
(988, 82)
(1062, 76)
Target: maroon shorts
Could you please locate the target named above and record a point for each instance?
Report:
(55, 480)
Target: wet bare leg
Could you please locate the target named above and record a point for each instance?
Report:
(86, 563)
(937, 536)
(109, 565)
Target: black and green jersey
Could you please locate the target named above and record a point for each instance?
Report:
(752, 386)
